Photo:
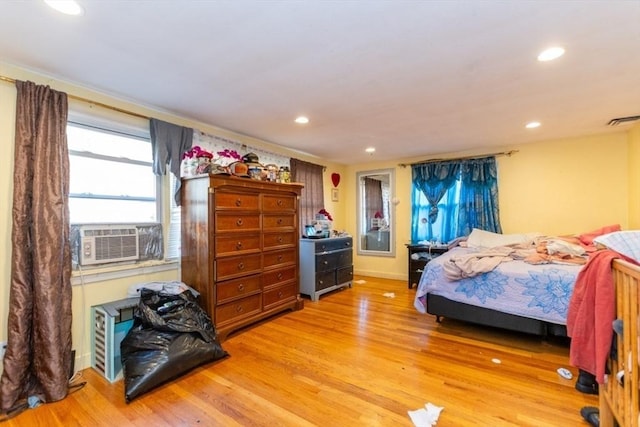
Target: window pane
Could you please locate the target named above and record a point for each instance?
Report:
(111, 211)
(103, 177)
(108, 144)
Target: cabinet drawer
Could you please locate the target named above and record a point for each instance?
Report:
(345, 258)
(229, 222)
(275, 222)
(344, 275)
(278, 203)
(277, 277)
(327, 245)
(279, 295)
(279, 258)
(326, 262)
(237, 288)
(325, 280)
(238, 201)
(238, 309)
(239, 244)
(237, 266)
(282, 239)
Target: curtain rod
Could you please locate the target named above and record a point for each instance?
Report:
(79, 98)
(502, 153)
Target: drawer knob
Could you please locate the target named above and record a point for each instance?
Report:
(239, 222)
(240, 287)
(321, 282)
(279, 202)
(241, 266)
(279, 276)
(279, 294)
(239, 309)
(239, 245)
(238, 202)
(280, 239)
(279, 258)
(325, 262)
(279, 221)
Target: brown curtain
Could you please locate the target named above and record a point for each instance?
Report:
(312, 199)
(374, 202)
(37, 362)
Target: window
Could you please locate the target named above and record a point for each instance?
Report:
(441, 229)
(451, 197)
(111, 180)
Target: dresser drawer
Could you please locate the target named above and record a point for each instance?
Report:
(280, 239)
(238, 244)
(237, 266)
(325, 280)
(344, 275)
(231, 222)
(238, 309)
(278, 203)
(278, 222)
(277, 277)
(279, 295)
(237, 288)
(274, 259)
(238, 201)
(345, 258)
(334, 244)
(326, 262)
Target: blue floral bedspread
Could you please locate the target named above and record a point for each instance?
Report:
(535, 291)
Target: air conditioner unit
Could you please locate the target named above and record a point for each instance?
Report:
(111, 323)
(100, 244)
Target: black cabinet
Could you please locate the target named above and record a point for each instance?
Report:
(419, 256)
(325, 265)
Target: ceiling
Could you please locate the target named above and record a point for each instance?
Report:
(411, 78)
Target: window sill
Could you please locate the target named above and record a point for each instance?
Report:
(100, 274)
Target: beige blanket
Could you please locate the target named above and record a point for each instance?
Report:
(471, 265)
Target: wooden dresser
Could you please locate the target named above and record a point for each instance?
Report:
(240, 248)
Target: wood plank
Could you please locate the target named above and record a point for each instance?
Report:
(354, 357)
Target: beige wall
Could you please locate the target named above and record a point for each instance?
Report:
(555, 187)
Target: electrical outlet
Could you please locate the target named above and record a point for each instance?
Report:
(3, 348)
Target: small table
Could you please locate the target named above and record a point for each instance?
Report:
(419, 257)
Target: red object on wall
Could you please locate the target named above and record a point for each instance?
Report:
(335, 178)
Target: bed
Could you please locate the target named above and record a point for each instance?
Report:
(515, 295)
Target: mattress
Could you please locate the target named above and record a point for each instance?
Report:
(540, 292)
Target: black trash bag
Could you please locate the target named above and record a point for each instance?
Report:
(171, 334)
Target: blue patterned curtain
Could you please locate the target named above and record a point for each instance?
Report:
(478, 207)
(452, 197)
(433, 180)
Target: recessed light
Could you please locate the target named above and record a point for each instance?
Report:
(370, 150)
(302, 120)
(532, 125)
(551, 54)
(68, 7)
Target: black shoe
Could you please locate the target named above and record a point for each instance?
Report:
(591, 414)
(586, 383)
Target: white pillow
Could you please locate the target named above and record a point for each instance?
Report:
(486, 239)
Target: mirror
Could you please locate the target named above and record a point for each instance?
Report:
(375, 223)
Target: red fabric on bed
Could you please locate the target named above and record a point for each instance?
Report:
(587, 238)
(591, 313)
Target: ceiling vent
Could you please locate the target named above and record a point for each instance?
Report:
(623, 120)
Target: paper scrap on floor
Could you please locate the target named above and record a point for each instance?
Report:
(360, 282)
(427, 416)
(389, 295)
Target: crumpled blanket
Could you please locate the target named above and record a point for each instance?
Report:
(475, 263)
(591, 313)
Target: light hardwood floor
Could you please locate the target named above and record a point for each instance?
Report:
(354, 358)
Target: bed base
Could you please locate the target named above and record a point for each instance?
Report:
(443, 307)
(619, 399)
